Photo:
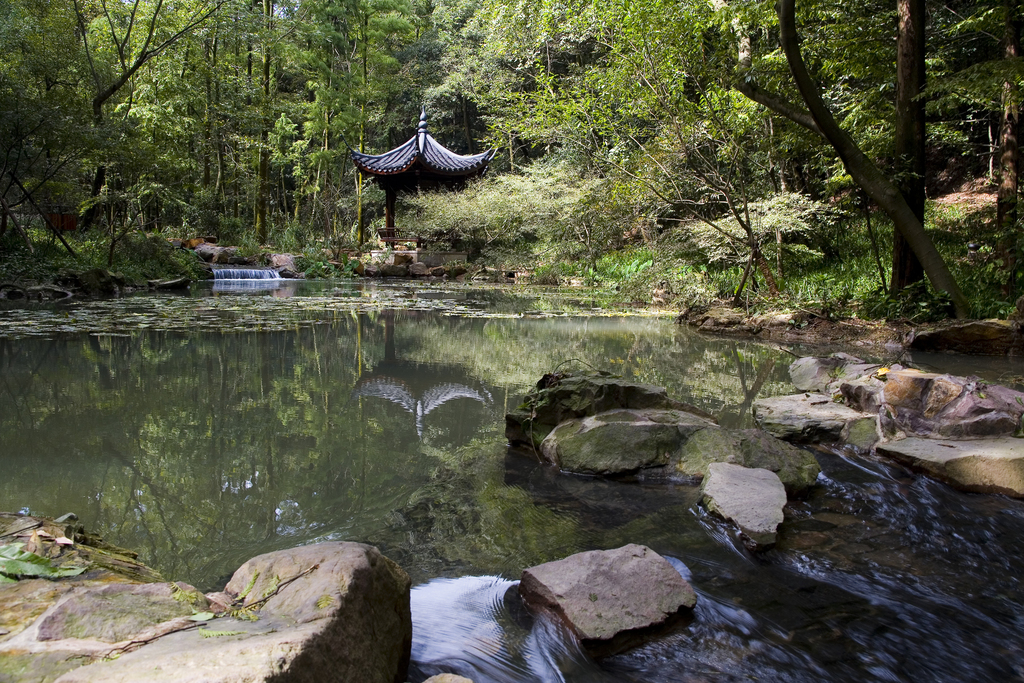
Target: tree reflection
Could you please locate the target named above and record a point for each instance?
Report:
(201, 450)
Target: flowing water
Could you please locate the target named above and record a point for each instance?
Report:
(201, 430)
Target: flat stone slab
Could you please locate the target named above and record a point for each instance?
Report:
(983, 465)
(814, 418)
(753, 499)
(607, 596)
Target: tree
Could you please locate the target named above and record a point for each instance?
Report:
(818, 118)
(909, 133)
(120, 38)
(1009, 156)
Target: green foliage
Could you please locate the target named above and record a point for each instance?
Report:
(137, 257)
(548, 212)
(315, 263)
(16, 563)
(207, 633)
(917, 303)
(249, 586)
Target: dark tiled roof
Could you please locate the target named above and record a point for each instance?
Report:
(425, 150)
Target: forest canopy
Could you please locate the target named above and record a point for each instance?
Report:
(702, 148)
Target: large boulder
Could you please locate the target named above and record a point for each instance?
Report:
(815, 418)
(602, 425)
(282, 261)
(753, 499)
(796, 468)
(814, 374)
(327, 612)
(620, 441)
(983, 465)
(211, 253)
(560, 396)
(418, 269)
(394, 270)
(93, 281)
(611, 599)
(824, 375)
(929, 404)
(988, 337)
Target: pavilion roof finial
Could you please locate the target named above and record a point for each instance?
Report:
(422, 128)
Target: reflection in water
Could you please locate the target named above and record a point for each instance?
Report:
(202, 449)
(277, 287)
(397, 392)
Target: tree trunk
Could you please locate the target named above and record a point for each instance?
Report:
(1006, 202)
(863, 171)
(465, 125)
(263, 189)
(910, 133)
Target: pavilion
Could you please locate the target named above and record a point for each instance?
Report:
(422, 163)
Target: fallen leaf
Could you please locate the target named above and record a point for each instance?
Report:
(63, 540)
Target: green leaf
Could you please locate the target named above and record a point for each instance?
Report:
(216, 634)
(14, 562)
(201, 616)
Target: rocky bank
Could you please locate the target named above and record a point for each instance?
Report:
(597, 424)
(960, 430)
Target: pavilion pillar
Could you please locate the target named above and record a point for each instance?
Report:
(389, 208)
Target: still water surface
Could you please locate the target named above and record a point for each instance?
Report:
(203, 430)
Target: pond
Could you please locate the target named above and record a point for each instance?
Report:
(204, 429)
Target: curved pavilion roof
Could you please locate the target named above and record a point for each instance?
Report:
(422, 153)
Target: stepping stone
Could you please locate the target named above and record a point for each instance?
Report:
(752, 499)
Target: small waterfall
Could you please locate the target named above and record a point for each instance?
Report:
(245, 274)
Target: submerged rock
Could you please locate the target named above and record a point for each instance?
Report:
(983, 466)
(753, 499)
(173, 283)
(611, 599)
